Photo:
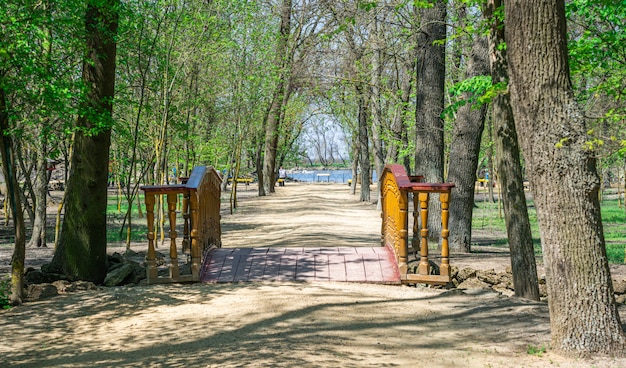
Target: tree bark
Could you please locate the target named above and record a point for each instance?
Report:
(509, 168)
(430, 104)
(273, 119)
(13, 197)
(564, 181)
(40, 191)
(363, 142)
(377, 120)
(464, 150)
(82, 250)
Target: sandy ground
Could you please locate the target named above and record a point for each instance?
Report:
(286, 324)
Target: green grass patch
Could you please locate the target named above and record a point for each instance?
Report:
(536, 350)
(489, 218)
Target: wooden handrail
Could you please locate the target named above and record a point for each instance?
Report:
(200, 214)
(395, 185)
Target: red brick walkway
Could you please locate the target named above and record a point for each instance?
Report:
(343, 264)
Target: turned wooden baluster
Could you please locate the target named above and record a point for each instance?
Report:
(424, 266)
(186, 243)
(403, 233)
(444, 269)
(415, 239)
(172, 198)
(195, 246)
(151, 270)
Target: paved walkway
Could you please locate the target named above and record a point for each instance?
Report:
(341, 264)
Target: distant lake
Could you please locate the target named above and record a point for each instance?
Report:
(332, 176)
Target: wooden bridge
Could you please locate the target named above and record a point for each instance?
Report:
(193, 209)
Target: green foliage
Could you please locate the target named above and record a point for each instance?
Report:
(597, 45)
(536, 351)
(475, 91)
(5, 293)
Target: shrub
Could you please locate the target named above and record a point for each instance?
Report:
(5, 292)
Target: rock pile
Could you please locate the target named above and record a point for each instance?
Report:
(502, 282)
(123, 270)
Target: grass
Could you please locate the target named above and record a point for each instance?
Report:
(115, 219)
(536, 350)
(488, 218)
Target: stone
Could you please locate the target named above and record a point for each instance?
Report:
(34, 276)
(454, 272)
(506, 279)
(138, 274)
(473, 283)
(621, 299)
(465, 274)
(83, 285)
(488, 276)
(117, 276)
(619, 287)
(63, 286)
(40, 291)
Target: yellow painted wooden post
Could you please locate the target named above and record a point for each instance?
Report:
(172, 198)
(424, 266)
(402, 227)
(151, 270)
(444, 269)
(195, 246)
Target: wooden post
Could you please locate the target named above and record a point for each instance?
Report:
(172, 198)
(151, 270)
(402, 227)
(424, 266)
(185, 210)
(444, 269)
(195, 246)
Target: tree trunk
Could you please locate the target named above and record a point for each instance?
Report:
(273, 118)
(398, 128)
(564, 181)
(40, 190)
(356, 155)
(430, 104)
(12, 196)
(509, 169)
(363, 142)
(377, 120)
(258, 161)
(464, 151)
(82, 250)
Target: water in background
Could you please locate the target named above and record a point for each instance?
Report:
(332, 176)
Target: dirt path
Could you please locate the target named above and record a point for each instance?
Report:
(286, 324)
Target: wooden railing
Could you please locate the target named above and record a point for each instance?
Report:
(200, 217)
(395, 186)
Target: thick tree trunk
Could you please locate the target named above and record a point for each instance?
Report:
(464, 151)
(274, 114)
(509, 169)
(82, 250)
(564, 181)
(430, 104)
(12, 196)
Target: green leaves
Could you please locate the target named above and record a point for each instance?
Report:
(476, 91)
